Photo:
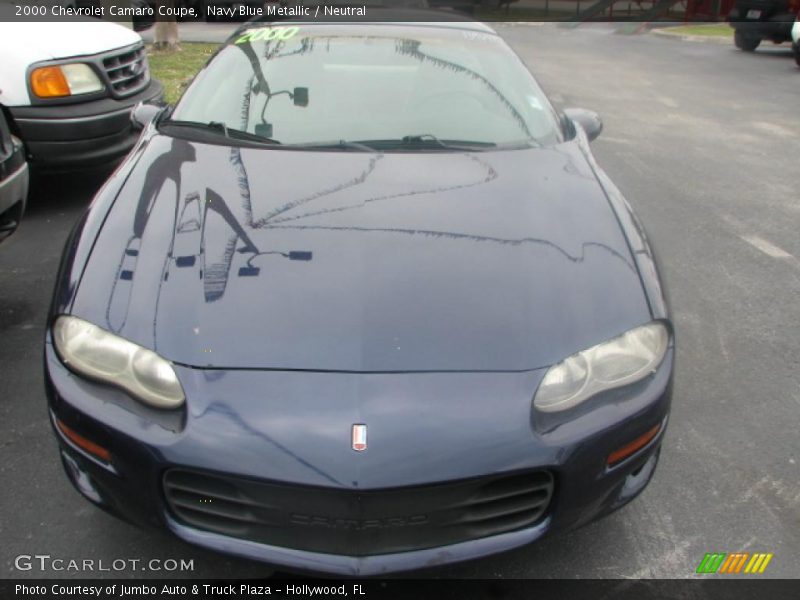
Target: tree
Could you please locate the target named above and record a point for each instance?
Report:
(165, 33)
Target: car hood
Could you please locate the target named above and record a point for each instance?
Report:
(344, 261)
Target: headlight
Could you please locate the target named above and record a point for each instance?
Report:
(100, 355)
(64, 80)
(621, 361)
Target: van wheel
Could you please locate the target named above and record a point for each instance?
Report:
(745, 42)
(797, 54)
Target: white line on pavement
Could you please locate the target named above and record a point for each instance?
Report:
(765, 246)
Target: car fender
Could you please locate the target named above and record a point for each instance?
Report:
(81, 240)
(640, 245)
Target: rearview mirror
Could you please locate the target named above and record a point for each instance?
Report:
(300, 96)
(143, 114)
(589, 120)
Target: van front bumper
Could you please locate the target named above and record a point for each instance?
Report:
(86, 134)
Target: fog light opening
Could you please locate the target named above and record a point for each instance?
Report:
(635, 482)
(83, 443)
(633, 447)
(81, 479)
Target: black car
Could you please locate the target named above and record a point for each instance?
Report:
(756, 20)
(13, 179)
(363, 301)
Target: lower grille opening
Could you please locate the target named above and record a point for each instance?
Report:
(355, 522)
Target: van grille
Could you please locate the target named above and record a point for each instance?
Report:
(127, 70)
(353, 522)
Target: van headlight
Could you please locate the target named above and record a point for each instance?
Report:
(97, 354)
(57, 81)
(623, 360)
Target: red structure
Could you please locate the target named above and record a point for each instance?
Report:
(708, 8)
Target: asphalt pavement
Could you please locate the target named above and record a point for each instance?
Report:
(704, 141)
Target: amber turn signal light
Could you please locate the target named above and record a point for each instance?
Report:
(49, 82)
(632, 447)
(83, 443)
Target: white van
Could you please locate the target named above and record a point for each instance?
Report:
(796, 40)
(67, 90)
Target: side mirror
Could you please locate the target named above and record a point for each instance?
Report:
(589, 120)
(143, 114)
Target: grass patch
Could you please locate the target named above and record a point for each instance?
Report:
(175, 68)
(711, 30)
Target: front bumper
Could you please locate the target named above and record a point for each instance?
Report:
(290, 440)
(86, 134)
(364, 566)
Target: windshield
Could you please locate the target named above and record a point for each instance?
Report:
(317, 84)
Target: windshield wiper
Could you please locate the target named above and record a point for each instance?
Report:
(449, 144)
(216, 127)
(428, 140)
(334, 145)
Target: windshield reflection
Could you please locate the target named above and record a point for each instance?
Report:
(362, 88)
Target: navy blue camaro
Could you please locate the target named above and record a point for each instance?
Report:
(362, 301)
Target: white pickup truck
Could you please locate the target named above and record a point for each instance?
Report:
(67, 90)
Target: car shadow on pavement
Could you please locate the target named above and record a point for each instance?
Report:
(60, 191)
